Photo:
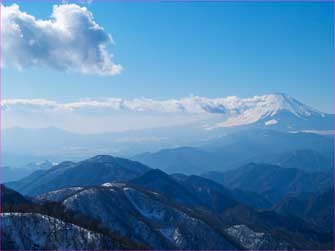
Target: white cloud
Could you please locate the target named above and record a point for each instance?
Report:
(102, 115)
(78, 1)
(69, 41)
(254, 107)
(188, 105)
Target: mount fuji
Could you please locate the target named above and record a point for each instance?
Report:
(273, 111)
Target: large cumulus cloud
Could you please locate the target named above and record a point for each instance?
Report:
(69, 41)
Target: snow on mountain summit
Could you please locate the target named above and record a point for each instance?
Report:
(250, 110)
(280, 101)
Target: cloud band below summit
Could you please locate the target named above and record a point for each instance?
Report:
(257, 105)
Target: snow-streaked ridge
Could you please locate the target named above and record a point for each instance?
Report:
(45, 232)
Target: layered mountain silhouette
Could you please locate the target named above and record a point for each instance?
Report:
(311, 151)
(116, 199)
(16, 173)
(245, 189)
(93, 171)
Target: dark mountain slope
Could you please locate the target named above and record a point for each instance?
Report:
(272, 182)
(26, 225)
(317, 208)
(158, 181)
(93, 171)
(159, 210)
(218, 204)
(146, 217)
(11, 197)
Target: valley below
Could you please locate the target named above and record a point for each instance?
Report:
(107, 202)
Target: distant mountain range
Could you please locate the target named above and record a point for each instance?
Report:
(310, 151)
(308, 160)
(181, 160)
(15, 173)
(278, 112)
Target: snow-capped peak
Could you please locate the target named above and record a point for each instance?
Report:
(250, 110)
(279, 101)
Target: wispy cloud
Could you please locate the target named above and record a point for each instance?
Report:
(109, 114)
(69, 41)
(188, 105)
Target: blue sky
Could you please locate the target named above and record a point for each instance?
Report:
(216, 49)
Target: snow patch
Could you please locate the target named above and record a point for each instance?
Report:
(271, 122)
(253, 240)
